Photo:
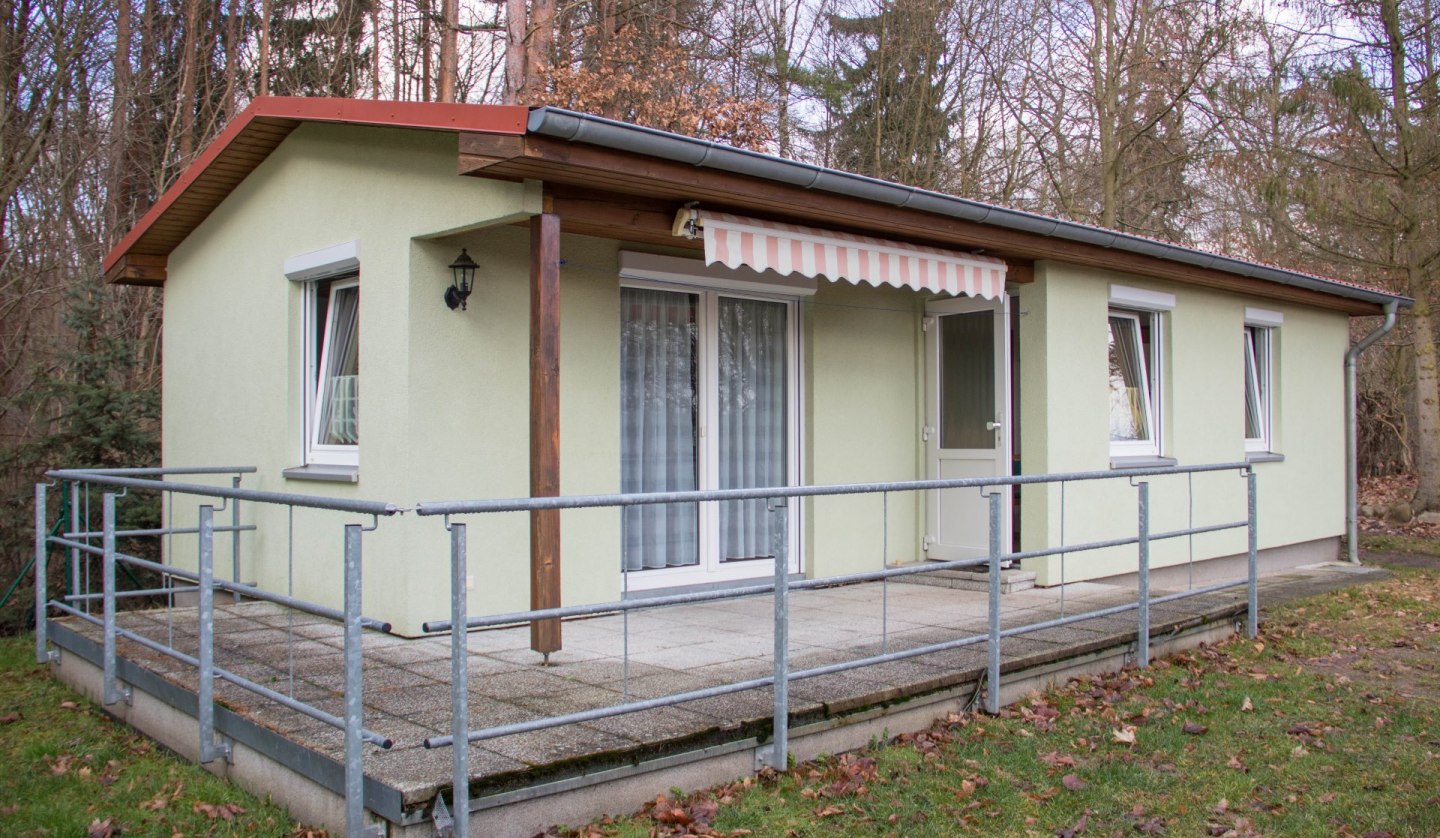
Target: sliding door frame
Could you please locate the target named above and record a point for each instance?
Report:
(711, 569)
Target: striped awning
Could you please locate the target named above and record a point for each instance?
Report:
(736, 241)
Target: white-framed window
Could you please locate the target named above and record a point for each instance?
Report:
(1260, 329)
(1134, 380)
(708, 401)
(332, 371)
(329, 361)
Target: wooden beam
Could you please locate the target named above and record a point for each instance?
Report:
(1019, 272)
(481, 151)
(592, 167)
(623, 217)
(138, 269)
(545, 426)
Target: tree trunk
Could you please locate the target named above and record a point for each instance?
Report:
(516, 22)
(449, 17)
(117, 201)
(539, 43)
(264, 86)
(185, 106)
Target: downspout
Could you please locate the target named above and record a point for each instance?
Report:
(1352, 468)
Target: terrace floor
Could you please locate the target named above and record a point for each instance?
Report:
(670, 650)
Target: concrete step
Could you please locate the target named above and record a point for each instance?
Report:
(1012, 580)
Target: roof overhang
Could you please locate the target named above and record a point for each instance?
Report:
(623, 181)
(140, 257)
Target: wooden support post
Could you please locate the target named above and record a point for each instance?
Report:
(545, 426)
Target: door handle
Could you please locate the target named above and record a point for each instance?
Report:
(992, 426)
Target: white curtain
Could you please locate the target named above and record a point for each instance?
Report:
(658, 426)
(1129, 382)
(340, 380)
(753, 433)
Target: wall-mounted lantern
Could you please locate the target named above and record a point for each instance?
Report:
(462, 281)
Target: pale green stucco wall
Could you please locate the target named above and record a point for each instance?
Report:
(446, 394)
(1064, 420)
(863, 354)
(232, 347)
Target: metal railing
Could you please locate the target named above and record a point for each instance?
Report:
(80, 540)
(776, 755)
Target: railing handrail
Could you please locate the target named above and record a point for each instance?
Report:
(522, 504)
(364, 507)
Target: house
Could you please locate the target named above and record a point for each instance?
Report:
(652, 312)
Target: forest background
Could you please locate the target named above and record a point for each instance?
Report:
(1302, 134)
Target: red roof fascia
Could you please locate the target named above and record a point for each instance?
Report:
(431, 116)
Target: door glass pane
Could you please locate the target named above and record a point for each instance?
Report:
(753, 433)
(658, 413)
(967, 380)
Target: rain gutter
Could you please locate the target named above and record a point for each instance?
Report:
(608, 133)
(1352, 468)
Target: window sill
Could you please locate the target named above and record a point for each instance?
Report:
(324, 474)
(1264, 457)
(1144, 461)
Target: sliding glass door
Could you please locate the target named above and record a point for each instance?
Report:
(706, 384)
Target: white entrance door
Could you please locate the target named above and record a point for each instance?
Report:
(967, 429)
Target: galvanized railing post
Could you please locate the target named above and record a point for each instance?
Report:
(1142, 641)
(992, 670)
(1252, 585)
(210, 750)
(354, 672)
(42, 593)
(235, 537)
(459, 684)
(778, 755)
(112, 692)
(75, 551)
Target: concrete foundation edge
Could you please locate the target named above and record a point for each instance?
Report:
(618, 791)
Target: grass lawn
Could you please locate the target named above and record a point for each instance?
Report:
(70, 770)
(1329, 725)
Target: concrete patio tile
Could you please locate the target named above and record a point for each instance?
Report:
(480, 666)
(416, 651)
(418, 772)
(660, 684)
(483, 712)
(296, 619)
(737, 708)
(573, 699)
(601, 671)
(699, 655)
(498, 640)
(568, 656)
(522, 682)
(657, 725)
(843, 690)
(542, 747)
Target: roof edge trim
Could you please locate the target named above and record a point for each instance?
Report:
(608, 133)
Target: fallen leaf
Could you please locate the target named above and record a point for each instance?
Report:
(1072, 782)
(1153, 826)
(828, 811)
(1124, 735)
(1195, 729)
(1055, 759)
(1247, 706)
(68, 705)
(101, 829)
(10, 718)
(1077, 829)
